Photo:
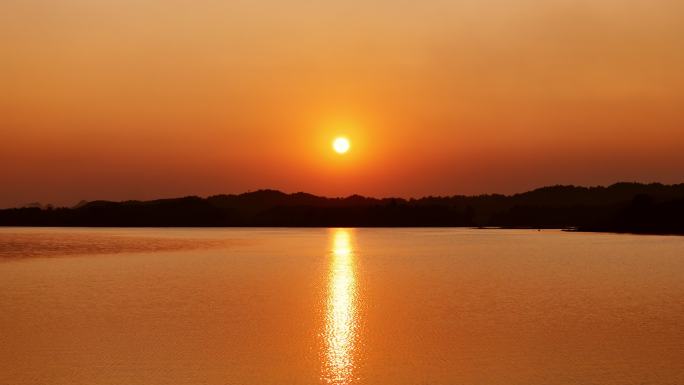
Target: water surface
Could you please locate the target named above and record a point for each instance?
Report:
(339, 306)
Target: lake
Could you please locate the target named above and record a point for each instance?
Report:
(339, 306)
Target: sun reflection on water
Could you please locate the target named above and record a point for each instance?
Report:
(341, 312)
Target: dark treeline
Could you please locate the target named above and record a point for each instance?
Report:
(623, 207)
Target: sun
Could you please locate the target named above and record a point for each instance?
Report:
(341, 145)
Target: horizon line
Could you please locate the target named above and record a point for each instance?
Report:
(83, 201)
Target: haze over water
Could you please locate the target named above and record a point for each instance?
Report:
(339, 306)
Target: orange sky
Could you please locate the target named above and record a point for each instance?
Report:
(138, 99)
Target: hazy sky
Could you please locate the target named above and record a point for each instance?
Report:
(138, 99)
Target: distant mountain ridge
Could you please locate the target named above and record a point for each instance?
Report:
(630, 207)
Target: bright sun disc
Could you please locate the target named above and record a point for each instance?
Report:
(341, 145)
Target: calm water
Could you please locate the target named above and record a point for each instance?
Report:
(339, 306)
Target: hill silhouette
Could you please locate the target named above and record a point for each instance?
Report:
(621, 207)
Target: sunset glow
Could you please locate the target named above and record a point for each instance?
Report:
(342, 192)
(148, 99)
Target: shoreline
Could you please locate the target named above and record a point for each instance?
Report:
(539, 229)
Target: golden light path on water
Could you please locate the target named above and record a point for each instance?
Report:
(341, 318)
